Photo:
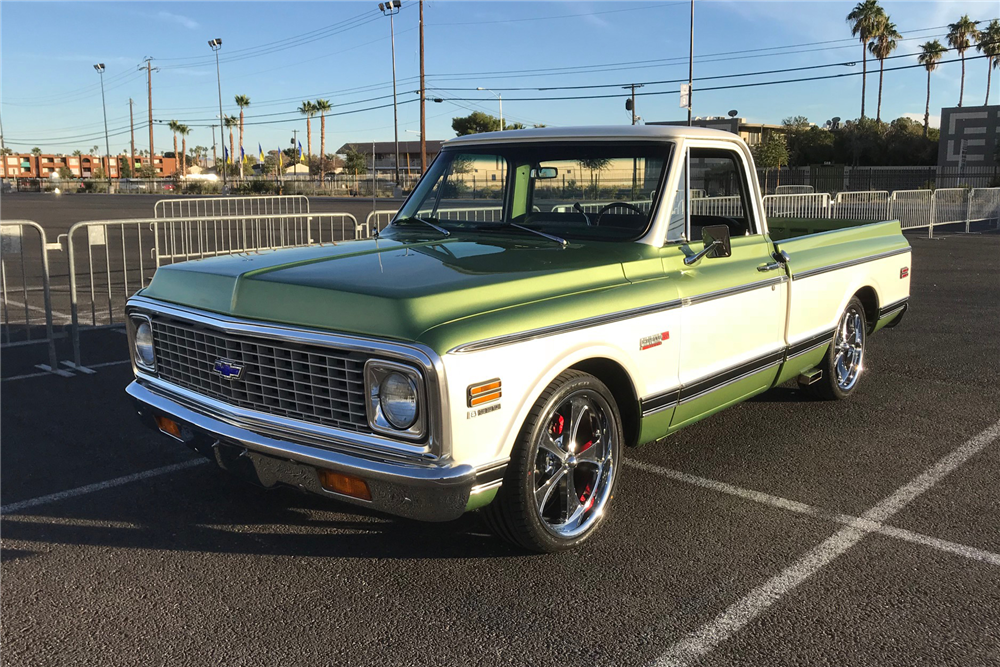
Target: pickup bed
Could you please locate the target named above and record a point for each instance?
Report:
(512, 330)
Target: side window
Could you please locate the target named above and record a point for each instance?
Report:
(718, 192)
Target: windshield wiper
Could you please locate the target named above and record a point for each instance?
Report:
(429, 224)
(552, 237)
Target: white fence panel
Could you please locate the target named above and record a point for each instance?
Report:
(797, 205)
(225, 206)
(794, 190)
(951, 205)
(984, 204)
(913, 208)
(722, 206)
(866, 205)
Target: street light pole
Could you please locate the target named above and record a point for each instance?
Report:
(390, 9)
(500, 98)
(215, 45)
(107, 145)
(691, 65)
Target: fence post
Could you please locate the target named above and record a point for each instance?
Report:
(968, 210)
(74, 308)
(930, 223)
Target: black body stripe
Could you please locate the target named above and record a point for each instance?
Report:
(810, 343)
(893, 307)
(849, 263)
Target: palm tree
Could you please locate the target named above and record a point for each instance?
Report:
(989, 44)
(231, 122)
(174, 127)
(36, 151)
(864, 20)
(242, 101)
(322, 106)
(930, 55)
(77, 153)
(183, 130)
(960, 36)
(882, 47)
(308, 109)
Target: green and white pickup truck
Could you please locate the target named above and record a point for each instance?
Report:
(615, 285)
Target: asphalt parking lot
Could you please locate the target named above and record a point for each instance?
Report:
(784, 531)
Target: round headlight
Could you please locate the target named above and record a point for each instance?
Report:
(144, 345)
(398, 397)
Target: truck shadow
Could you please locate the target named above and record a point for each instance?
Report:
(205, 510)
(783, 394)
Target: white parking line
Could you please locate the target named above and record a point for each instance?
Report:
(729, 622)
(44, 373)
(99, 486)
(55, 313)
(802, 508)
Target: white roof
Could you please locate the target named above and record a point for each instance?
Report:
(594, 133)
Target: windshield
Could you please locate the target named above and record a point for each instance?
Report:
(599, 191)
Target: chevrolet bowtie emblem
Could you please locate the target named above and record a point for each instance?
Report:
(228, 369)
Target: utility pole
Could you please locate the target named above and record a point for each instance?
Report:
(390, 9)
(215, 45)
(423, 97)
(691, 65)
(630, 103)
(295, 146)
(131, 129)
(149, 90)
(107, 144)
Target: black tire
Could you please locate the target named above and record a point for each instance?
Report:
(835, 385)
(515, 514)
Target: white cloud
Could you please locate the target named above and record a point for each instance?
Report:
(188, 23)
(933, 120)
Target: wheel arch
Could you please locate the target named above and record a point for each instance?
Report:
(618, 380)
(870, 302)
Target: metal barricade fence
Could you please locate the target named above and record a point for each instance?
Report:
(913, 208)
(984, 205)
(222, 206)
(180, 239)
(951, 205)
(867, 205)
(794, 190)
(30, 276)
(110, 259)
(730, 206)
(797, 205)
(379, 219)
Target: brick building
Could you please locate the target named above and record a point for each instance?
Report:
(27, 165)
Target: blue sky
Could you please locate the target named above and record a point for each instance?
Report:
(340, 51)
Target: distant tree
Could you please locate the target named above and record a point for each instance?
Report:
(230, 122)
(864, 19)
(36, 151)
(930, 56)
(960, 36)
(462, 164)
(308, 109)
(537, 125)
(242, 101)
(514, 126)
(807, 144)
(126, 169)
(882, 47)
(98, 174)
(475, 123)
(596, 165)
(147, 171)
(322, 107)
(989, 45)
(95, 150)
(770, 154)
(355, 162)
(184, 131)
(175, 127)
(77, 152)
(65, 173)
(6, 151)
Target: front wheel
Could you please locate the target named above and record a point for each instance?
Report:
(561, 477)
(843, 363)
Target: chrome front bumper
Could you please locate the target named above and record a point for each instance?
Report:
(424, 492)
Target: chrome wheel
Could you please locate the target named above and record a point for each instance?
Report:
(574, 463)
(849, 348)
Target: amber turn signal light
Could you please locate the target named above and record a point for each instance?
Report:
(484, 392)
(346, 485)
(169, 426)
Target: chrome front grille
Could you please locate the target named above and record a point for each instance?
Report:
(311, 383)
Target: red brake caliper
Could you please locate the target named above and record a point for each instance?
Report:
(557, 426)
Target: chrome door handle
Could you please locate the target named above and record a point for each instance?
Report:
(770, 267)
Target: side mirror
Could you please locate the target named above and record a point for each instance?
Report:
(716, 244)
(717, 236)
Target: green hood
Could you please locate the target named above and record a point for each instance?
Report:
(388, 287)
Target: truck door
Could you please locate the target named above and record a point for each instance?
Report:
(733, 308)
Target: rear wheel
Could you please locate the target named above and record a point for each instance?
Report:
(843, 363)
(562, 472)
